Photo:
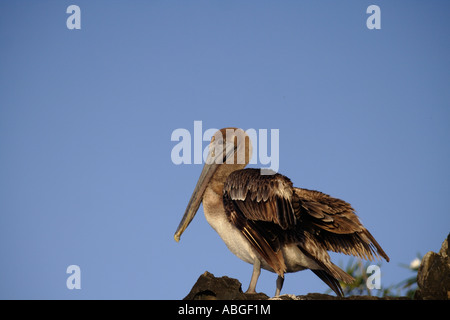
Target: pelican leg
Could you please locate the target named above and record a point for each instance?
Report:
(280, 281)
(255, 276)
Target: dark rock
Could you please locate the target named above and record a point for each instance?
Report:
(208, 287)
(433, 276)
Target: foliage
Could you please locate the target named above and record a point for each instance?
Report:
(357, 269)
(410, 284)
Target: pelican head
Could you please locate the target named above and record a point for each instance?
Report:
(230, 150)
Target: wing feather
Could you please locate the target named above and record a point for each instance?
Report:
(260, 206)
(262, 197)
(334, 222)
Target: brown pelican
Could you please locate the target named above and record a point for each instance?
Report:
(265, 221)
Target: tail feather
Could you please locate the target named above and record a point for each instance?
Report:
(331, 281)
(340, 274)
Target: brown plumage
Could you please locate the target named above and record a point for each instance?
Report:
(271, 213)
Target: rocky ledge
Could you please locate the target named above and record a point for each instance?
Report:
(433, 280)
(433, 277)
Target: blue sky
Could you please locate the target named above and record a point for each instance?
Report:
(86, 118)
